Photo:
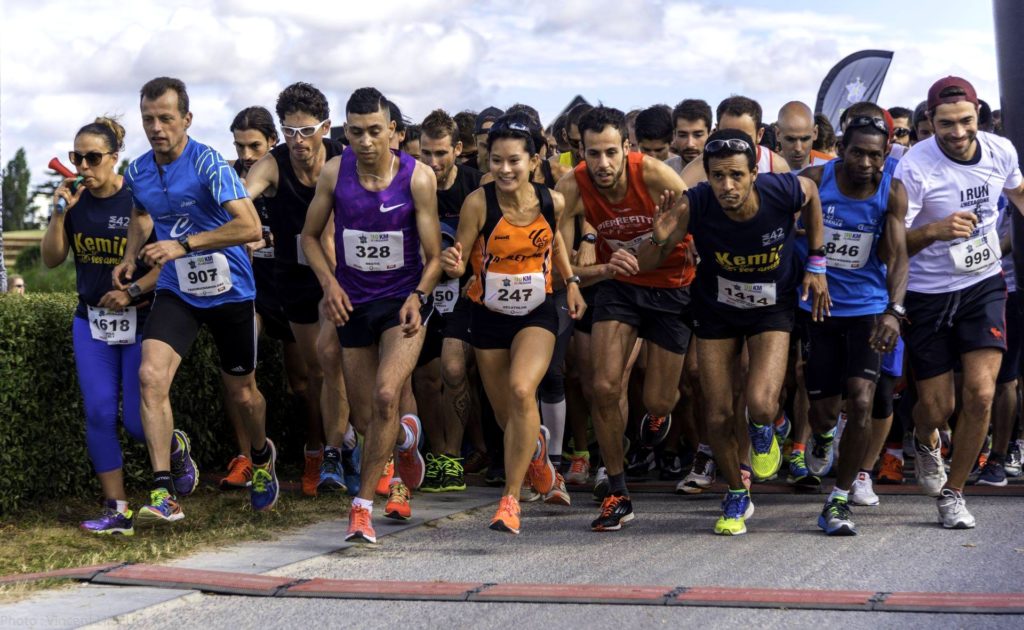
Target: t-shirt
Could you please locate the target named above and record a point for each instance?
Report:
(1005, 230)
(186, 197)
(676, 162)
(937, 186)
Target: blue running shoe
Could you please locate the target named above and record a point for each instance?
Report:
(835, 519)
(110, 522)
(264, 489)
(351, 461)
(765, 454)
(162, 508)
(183, 468)
(782, 430)
(820, 453)
(736, 508)
(331, 472)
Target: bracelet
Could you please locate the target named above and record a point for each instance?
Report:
(656, 242)
(816, 264)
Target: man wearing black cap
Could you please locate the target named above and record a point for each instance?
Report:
(484, 120)
(956, 296)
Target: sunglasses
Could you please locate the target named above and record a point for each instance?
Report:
(901, 132)
(731, 144)
(305, 132)
(868, 121)
(92, 158)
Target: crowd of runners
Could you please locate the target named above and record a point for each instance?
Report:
(681, 293)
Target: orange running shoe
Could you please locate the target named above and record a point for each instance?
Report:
(890, 472)
(239, 474)
(399, 506)
(558, 495)
(506, 519)
(384, 483)
(360, 526)
(311, 473)
(541, 472)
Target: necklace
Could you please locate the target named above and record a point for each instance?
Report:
(390, 166)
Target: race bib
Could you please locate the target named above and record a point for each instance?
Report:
(265, 252)
(514, 294)
(632, 245)
(300, 254)
(115, 328)
(203, 275)
(745, 294)
(847, 250)
(445, 295)
(976, 254)
(374, 251)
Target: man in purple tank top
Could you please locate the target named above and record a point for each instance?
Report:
(388, 243)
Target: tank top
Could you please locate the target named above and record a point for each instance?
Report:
(629, 223)
(512, 263)
(375, 234)
(287, 209)
(449, 201)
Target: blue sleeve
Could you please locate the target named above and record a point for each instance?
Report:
(218, 177)
(129, 182)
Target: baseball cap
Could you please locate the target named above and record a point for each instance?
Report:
(969, 95)
(447, 235)
(489, 114)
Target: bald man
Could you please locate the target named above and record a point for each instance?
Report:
(796, 133)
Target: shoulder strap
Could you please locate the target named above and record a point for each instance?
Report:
(493, 210)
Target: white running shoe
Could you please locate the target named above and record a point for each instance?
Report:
(862, 492)
(931, 474)
(953, 512)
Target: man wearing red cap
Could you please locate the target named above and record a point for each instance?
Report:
(956, 296)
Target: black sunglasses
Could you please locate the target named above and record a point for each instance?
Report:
(93, 158)
(732, 144)
(868, 121)
(901, 132)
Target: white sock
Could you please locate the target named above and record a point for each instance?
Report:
(314, 451)
(408, 439)
(705, 448)
(349, 439)
(895, 452)
(553, 417)
(122, 506)
(843, 495)
(363, 503)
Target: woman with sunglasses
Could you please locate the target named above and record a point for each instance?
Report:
(509, 225)
(90, 218)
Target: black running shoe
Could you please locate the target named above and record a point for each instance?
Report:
(615, 510)
(640, 462)
(654, 429)
(670, 467)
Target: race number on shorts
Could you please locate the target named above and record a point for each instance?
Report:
(976, 254)
(374, 251)
(204, 275)
(847, 250)
(514, 294)
(746, 294)
(115, 328)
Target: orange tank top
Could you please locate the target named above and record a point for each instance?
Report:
(630, 222)
(512, 263)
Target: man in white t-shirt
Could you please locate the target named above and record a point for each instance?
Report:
(956, 296)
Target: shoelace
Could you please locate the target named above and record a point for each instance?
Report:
(761, 438)
(451, 466)
(822, 446)
(399, 493)
(360, 518)
(655, 423)
(610, 504)
(433, 467)
(331, 466)
(928, 459)
(159, 498)
(578, 465)
(732, 507)
(798, 460)
(839, 509)
(260, 478)
(238, 465)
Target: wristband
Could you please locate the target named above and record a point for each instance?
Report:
(656, 242)
(816, 264)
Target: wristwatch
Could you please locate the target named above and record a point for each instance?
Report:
(134, 291)
(422, 297)
(571, 279)
(589, 237)
(183, 241)
(896, 310)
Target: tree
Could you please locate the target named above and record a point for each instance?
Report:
(15, 192)
(122, 167)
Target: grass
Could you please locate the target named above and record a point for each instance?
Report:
(46, 536)
(24, 234)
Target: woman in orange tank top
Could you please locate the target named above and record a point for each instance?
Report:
(510, 226)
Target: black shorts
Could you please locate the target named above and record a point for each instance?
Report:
(657, 314)
(299, 292)
(275, 324)
(495, 331)
(1010, 368)
(432, 342)
(944, 326)
(840, 350)
(712, 322)
(586, 323)
(367, 322)
(175, 322)
(456, 323)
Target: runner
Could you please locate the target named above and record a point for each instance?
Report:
(92, 222)
(865, 246)
(385, 206)
(796, 135)
(615, 191)
(654, 135)
(509, 226)
(901, 121)
(742, 224)
(481, 125)
(691, 121)
(956, 296)
(198, 207)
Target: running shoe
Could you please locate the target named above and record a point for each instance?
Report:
(953, 512)
(527, 494)
(495, 475)
(835, 519)
(601, 486)
(993, 474)
(453, 475)
(670, 467)
(558, 494)
(890, 470)
(506, 519)
(432, 475)
(799, 476)
(701, 475)
(331, 476)
(477, 462)
(541, 472)
(350, 469)
(1013, 465)
(640, 462)
(654, 429)
(862, 491)
(384, 482)
(820, 454)
(409, 463)
(162, 508)
(616, 509)
(110, 522)
(183, 468)
(782, 430)
(360, 526)
(399, 506)
(239, 474)
(909, 445)
(765, 455)
(931, 474)
(264, 489)
(311, 473)
(735, 509)
(579, 469)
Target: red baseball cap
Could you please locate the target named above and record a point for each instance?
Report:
(969, 95)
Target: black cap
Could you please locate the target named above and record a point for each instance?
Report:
(489, 115)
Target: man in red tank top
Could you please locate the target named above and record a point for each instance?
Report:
(642, 292)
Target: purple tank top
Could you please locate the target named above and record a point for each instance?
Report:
(375, 234)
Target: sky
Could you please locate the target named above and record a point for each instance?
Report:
(62, 63)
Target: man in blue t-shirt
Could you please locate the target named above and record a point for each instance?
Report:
(202, 216)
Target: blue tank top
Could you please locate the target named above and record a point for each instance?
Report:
(375, 234)
(853, 229)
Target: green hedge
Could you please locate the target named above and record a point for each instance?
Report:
(42, 429)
